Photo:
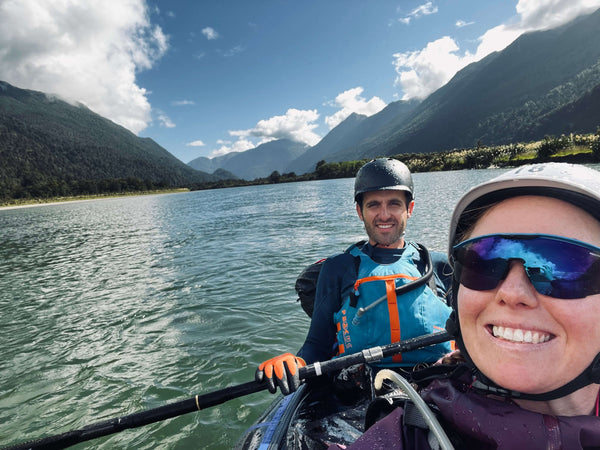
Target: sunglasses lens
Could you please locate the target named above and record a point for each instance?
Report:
(479, 274)
(557, 267)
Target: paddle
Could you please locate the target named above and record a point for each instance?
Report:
(204, 401)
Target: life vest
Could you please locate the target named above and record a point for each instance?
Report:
(414, 313)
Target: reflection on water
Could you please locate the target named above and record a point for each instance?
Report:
(114, 306)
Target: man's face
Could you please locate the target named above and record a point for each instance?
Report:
(384, 214)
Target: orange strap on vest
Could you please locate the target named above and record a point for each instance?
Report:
(383, 278)
(392, 302)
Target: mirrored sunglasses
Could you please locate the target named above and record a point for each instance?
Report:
(558, 267)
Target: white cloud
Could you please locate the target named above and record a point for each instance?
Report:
(85, 52)
(164, 120)
(462, 23)
(544, 14)
(296, 125)
(210, 33)
(182, 102)
(350, 101)
(197, 143)
(241, 145)
(233, 51)
(422, 10)
(421, 72)
(494, 40)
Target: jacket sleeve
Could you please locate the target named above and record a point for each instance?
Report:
(333, 279)
(442, 272)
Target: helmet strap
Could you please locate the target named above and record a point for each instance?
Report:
(484, 385)
(590, 375)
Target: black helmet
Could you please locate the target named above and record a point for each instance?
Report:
(575, 184)
(383, 174)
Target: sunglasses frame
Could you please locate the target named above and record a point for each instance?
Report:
(562, 287)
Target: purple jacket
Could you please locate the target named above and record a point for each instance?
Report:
(482, 422)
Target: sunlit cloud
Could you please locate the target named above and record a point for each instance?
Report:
(241, 145)
(88, 52)
(422, 72)
(545, 14)
(164, 120)
(296, 125)
(182, 102)
(422, 10)
(350, 101)
(197, 143)
(462, 24)
(233, 51)
(210, 33)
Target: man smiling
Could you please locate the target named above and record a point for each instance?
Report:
(373, 293)
(384, 214)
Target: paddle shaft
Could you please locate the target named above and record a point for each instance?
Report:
(210, 399)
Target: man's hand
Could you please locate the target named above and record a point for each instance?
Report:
(281, 371)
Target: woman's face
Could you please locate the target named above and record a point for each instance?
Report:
(568, 331)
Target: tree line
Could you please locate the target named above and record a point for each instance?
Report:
(572, 148)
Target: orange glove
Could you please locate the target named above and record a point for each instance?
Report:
(285, 368)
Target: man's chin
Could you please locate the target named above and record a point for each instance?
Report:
(389, 242)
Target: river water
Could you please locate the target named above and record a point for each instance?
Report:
(115, 306)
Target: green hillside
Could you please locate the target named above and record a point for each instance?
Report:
(50, 148)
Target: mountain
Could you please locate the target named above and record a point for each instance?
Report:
(211, 164)
(46, 142)
(582, 113)
(355, 128)
(518, 94)
(259, 162)
(544, 83)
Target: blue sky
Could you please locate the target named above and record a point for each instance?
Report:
(203, 78)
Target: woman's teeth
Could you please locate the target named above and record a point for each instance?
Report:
(518, 335)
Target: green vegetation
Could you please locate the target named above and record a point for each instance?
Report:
(595, 145)
(572, 148)
(39, 201)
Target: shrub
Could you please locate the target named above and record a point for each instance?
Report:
(551, 145)
(595, 145)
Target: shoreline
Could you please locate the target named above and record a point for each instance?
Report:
(62, 200)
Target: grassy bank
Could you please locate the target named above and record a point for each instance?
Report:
(44, 201)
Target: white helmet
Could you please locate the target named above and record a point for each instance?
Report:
(575, 184)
